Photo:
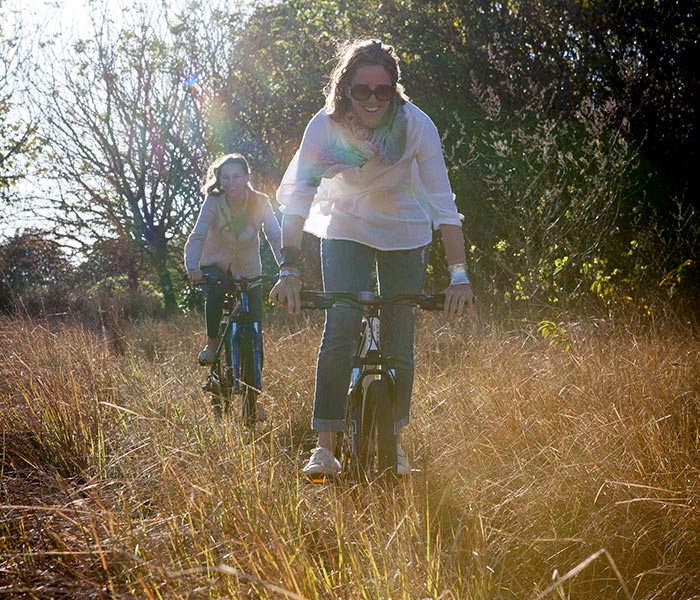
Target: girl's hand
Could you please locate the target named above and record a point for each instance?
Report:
(286, 291)
(457, 297)
(194, 275)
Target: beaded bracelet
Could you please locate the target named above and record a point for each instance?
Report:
(458, 274)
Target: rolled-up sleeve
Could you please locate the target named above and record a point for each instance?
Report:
(272, 232)
(302, 177)
(295, 194)
(434, 184)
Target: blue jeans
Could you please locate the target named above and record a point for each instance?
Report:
(347, 266)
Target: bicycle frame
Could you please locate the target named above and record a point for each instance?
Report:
(368, 359)
(370, 366)
(238, 322)
(229, 375)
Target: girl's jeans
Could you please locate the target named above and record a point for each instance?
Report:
(347, 266)
(214, 304)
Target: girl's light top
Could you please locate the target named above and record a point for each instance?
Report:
(217, 241)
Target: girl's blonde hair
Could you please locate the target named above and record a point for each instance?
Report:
(352, 55)
(212, 183)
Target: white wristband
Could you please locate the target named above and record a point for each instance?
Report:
(459, 277)
(289, 273)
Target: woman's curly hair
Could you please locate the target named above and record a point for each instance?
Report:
(352, 55)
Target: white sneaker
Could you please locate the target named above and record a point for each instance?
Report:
(402, 466)
(321, 464)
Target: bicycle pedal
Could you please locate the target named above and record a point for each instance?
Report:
(212, 386)
(316, 479)
(320, 478)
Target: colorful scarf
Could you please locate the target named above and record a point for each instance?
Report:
(387, 142)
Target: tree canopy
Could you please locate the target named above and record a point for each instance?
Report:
(569, 127)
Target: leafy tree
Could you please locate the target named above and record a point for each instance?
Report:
(541, 105)
(30, 262)
(652, 55)
(16, 137)
(561, 199)
(113, 260)
(123, 145)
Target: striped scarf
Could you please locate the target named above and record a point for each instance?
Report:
(386, 142)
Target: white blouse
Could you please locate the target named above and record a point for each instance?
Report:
(384, 206)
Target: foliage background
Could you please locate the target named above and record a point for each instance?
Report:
(555, 440)
(569, 128)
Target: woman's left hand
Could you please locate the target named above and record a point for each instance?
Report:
(286, 293)
(457, 298)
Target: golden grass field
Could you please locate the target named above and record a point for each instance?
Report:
(565, 469)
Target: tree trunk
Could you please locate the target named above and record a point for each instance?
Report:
(165, 282)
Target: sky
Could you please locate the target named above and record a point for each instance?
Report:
(68, 17)
(64, 20)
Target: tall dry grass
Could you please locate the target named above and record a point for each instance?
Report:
(565, 470)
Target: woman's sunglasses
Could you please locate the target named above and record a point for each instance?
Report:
(362, 92)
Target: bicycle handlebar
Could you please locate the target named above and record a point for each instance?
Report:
(235, 280)
(325, 300)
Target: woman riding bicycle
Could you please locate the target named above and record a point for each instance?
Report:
(226, 238)
(369, 179)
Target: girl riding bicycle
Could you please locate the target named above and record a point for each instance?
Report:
(226, 238)
(370, 180)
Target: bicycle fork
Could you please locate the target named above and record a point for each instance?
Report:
(237, 333)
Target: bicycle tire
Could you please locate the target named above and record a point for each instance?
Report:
(372, 432)
(220, 382)
(352, 440)
(365, 432)
(385, 433)
(247, 381)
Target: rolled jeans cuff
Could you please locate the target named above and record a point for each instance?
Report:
(327, 425)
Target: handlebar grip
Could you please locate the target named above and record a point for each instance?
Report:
(432, 302)
(236, 279)
(320, 300)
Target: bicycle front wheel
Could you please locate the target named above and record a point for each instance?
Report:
(220, 382)
(374, 439)
(385, 426)
(364, 433)
(248, 379)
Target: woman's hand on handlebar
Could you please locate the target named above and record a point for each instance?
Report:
(457, 298)
(286, 292)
